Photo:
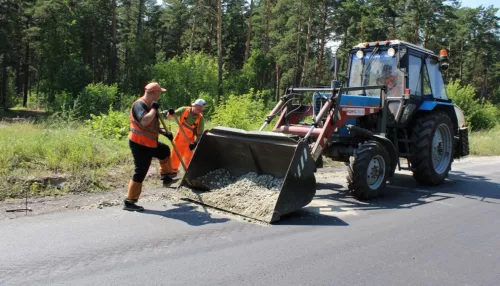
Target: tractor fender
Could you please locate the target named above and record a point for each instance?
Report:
(391, 149)
(453, 111)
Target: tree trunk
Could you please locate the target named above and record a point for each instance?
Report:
(426, 33)
(393, 36)
(277, 83)
(306, 56)
(3, 92)
(139, 19)
(417, 28)
(266, 36)
(321, 60)
(26, 74)
(249, 34)
(193, 27)
(219, 47)
(114, 53)
(19, 79)
(297, 59)
(461, 58)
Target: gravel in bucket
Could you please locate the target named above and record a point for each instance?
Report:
(250, 195)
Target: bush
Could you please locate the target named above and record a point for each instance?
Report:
(114, 125)
(485, 117)
(478, 117)
(96, 99)
(187, 78)
(245, 111)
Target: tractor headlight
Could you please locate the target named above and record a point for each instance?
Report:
(391, 52)
(360, 54)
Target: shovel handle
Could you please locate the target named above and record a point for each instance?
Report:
(182, 130)
(173, 144)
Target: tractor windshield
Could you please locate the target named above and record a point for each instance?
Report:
(379, 69)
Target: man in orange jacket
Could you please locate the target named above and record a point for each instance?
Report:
(193, 124)
(144, 144)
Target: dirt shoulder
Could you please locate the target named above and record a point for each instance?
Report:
(72, 202)
(151, 193)
(114, 198)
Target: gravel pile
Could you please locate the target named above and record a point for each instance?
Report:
(248, 195)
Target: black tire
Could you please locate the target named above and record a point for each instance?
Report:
(357, 170)
(424, 131)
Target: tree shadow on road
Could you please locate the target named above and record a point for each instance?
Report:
(473, 187)
(187, 213)
(403, 192)
(306, 217)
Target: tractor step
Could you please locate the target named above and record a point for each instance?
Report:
(406, 169)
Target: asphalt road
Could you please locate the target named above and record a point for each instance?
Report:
(449, 235)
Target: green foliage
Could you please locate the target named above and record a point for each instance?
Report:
(186, 79)
(96, 98)
(478, 116)
(245, 111)
(113, 125)
(486, 117)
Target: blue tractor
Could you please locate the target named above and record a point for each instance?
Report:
(393, 113)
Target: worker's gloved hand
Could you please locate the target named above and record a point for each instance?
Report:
(155, 105)
(171, 111)
(167, 134)
(192, 146)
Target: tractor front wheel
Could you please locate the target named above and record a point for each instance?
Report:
(432, 148)
(368, 170)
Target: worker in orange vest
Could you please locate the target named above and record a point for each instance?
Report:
(144, 144)
(192, 122)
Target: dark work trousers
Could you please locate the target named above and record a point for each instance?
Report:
(143, 156)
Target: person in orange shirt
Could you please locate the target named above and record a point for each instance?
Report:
(391, 80)
(192, 122)
(144, 144)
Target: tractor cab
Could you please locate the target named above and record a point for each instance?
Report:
(411, 74)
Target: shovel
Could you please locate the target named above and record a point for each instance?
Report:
(173, 145)
(199, 185)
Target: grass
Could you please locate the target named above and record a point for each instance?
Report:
(485, 143)
(33, 157)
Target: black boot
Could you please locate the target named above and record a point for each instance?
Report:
(131, 206)
(167, 180)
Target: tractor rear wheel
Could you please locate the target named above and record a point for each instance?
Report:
(432, 148)
(368, 170)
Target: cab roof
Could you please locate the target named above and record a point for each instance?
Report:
(393, 43)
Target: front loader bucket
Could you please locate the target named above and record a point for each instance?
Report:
(238, 153)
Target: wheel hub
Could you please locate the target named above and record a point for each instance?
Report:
(376, 172)
(441, 148)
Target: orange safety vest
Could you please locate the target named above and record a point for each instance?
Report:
(193, 128)
(144, 135)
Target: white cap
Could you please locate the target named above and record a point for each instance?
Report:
(199, 102)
